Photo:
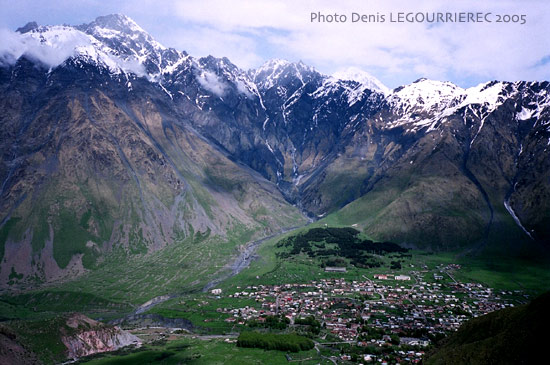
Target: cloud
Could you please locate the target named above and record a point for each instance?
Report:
(211, 82)
(15, 45)
(57, 45)
(243, 89)
(202, 40)
(397, 50)
(130, 65)
(243, 13)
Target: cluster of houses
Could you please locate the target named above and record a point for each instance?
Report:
(392, 304)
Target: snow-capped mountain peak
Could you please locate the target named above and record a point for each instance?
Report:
(426, 94)
(120, 28)
(277, 71)
(422, 102)
(278, 65)
(116, 22)
(427, 103)
(128, 40)
(27, 27)
(366, 80)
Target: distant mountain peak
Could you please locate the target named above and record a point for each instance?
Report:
(119, 27)
(27, 27)
(276, 70)
(281, 64)
(422, 79)
(129, 41)
(362, 77)
(118, 22)
(275, 63)
(427, 92)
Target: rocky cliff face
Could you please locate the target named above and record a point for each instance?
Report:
(119, 144)
(91, 337)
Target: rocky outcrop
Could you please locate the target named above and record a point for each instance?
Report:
(91, 337)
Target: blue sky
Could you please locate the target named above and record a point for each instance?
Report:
(249, 32)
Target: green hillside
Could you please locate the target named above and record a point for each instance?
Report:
(509, 336)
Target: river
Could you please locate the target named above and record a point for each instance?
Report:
(241, 262)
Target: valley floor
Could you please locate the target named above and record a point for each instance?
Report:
(386, 314)
(392, 312)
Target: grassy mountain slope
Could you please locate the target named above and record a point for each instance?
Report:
(101, 173)
(439, 191)
(509, 336)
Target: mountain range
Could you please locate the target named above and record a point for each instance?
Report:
(113, 143)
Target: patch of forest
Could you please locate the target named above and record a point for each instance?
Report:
(336, 246)
(270, 341)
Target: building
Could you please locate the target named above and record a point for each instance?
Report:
(402, 277)
(216, 291)
(335, 269)
(369, 357)
(411, 341)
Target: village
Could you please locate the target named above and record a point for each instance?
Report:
(396, 317)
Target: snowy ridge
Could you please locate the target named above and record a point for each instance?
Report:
(426, 103)
(116, 43)
(53, 45)
(126, 39)
(352, 90)
(354, 82)
(425, 95)
(488, 94)
(422, 103)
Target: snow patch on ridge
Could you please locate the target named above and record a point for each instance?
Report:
(488, 94)
(525, 113)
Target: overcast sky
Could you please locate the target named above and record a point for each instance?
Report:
(249, 32)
